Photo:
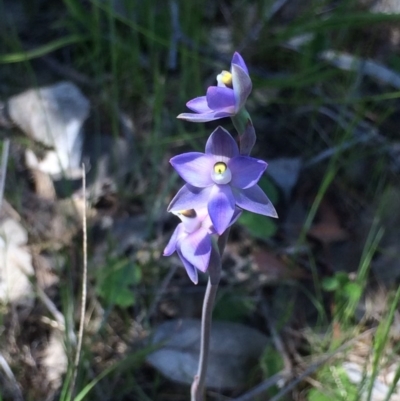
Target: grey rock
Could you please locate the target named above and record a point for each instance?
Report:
(53, 116)
(234, 351)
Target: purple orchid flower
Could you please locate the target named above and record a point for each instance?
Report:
(192, 241)
(224, 100)
(219, 180)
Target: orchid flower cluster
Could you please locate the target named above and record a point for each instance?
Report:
(222, 181)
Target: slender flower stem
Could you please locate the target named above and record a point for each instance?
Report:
(214, 270)
(208, 305)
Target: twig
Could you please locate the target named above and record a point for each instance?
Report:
(348, 62)
(10, 375)
(326, 154)
(264, 386)
(275, 8)
(311, 369)
(287, 363)
(84, 286)
(160, 292)
(67, 71)
(254, 33)
(49, 304)
(363, 133)
(3, 172)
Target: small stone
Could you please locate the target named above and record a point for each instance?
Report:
(53, 116)
(16, 265)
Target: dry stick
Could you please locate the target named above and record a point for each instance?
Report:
(279, 346)
(51, 307)
(17, 393)
(255, 31)
(161, 291)
(84, 286)
(264, 386)
(3, 172)
(3, 363)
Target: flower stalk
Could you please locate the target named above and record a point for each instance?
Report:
(220, 183)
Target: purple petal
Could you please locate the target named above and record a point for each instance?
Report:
(238, 60)
(190, 269)
(171, 246)
(196, 248)
(221, 98)
(221, 207)
(241, 86)
(199, 105)
(246, 171)
(195, 168)
(222, 145)
(189, 197)
(203, 117)
(236, 214)
(254, 200)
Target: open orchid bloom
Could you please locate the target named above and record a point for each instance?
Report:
(219, 180)
(224, 100)
(192, 241)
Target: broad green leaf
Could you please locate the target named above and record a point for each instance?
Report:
(261, 227)
(232, 307)
(115, 281)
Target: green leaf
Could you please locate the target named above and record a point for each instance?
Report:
(233, 307)
(115, 281)
(353, 291)
(330, 283)
(261, 227)
(316, 395)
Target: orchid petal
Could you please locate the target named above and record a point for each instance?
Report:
(241, 83)
(246, 171)
(171, 246)
(189, 197)
(199, 105)
(195, 168)
(221, 207)
(196, 248)
(238, 60)
(254, 200)
(222, 145)
(220, 98)
(236, 214)
(203, 117)
(190, 269)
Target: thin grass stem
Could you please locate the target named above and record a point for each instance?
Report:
(3, 171)
(84, 287)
